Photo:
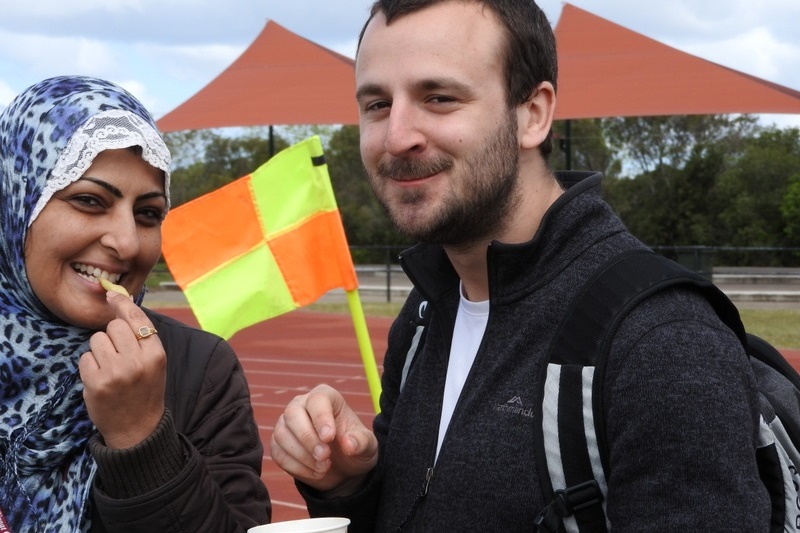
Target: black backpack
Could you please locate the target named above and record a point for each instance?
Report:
(574, 480)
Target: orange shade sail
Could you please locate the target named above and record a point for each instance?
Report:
(281, 78)
(606, 70)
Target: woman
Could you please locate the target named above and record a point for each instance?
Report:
(112, 417)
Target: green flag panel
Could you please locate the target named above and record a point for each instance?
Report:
(239, 294)
(289, 188)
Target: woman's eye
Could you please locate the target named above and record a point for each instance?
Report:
(86, 200)
(151, 215)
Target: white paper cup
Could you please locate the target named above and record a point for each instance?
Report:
(305, 525)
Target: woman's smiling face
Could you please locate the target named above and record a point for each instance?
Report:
(106, 224)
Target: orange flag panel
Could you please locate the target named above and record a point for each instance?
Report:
(211, 231)
(314, 258)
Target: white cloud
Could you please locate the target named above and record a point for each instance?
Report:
(190, 63)
(172, 48)
(781, 121)
(39, 56)
(59, 8)
(755, 51)
(6, 94)
(758, 38)
(346, 48)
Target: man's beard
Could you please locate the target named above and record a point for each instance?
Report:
(474, 208)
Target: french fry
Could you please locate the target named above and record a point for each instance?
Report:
(107, 285)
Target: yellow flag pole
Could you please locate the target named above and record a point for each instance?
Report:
(365, 347)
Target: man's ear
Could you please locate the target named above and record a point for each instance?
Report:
(535, 116)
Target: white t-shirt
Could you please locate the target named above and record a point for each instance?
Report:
(467, 335)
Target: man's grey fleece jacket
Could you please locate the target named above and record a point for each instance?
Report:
(680, 400)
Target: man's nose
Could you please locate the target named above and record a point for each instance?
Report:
(404, 133)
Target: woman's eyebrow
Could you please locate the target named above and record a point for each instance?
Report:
(118, 193)
(104, 184)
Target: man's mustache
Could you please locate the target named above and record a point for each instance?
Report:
(412, 169)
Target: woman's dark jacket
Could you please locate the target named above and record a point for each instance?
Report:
(200, 471)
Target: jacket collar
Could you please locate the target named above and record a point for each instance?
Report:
(517, 269)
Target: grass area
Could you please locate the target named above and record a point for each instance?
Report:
(382, 309)
(159, 273)
(156, 277)
(780, 327)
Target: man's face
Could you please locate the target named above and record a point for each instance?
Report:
(437, 138)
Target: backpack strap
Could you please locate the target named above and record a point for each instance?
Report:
(617, 286)
(572, 456)
(767, 354)
(778, 382)
(778, 451)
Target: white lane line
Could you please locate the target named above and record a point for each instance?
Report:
(288, 504)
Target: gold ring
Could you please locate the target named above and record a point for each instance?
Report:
(144, 332)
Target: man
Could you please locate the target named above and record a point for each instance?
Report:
(456, 102)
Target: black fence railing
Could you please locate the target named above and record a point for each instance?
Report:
(703, 259)
(383, 263)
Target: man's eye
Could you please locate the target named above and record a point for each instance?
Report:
(377, 106)
(441, 99)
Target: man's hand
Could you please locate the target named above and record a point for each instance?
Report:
(320, 441)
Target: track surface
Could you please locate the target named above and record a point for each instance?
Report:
(290, 354)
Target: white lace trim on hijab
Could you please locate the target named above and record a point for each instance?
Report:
(107, 130)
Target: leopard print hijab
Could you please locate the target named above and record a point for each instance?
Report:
(49, 135)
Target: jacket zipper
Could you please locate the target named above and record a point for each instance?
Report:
(428, 478)
(424, 492)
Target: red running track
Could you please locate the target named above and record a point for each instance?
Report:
(290, 354)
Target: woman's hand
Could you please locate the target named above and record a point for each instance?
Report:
(124, 377)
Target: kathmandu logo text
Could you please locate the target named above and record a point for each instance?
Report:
(515, 406)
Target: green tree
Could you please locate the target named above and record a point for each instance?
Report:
(650, 143)
(365, 221)
(691, 202)
(188, 146)
(225, 157)
(189, 176)
(674, 200)
(588, 149)
(670, 206)
(296, 133)
(755, 196)
(651, 205)
(790, 209)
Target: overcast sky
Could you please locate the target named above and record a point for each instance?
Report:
(166, 50)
